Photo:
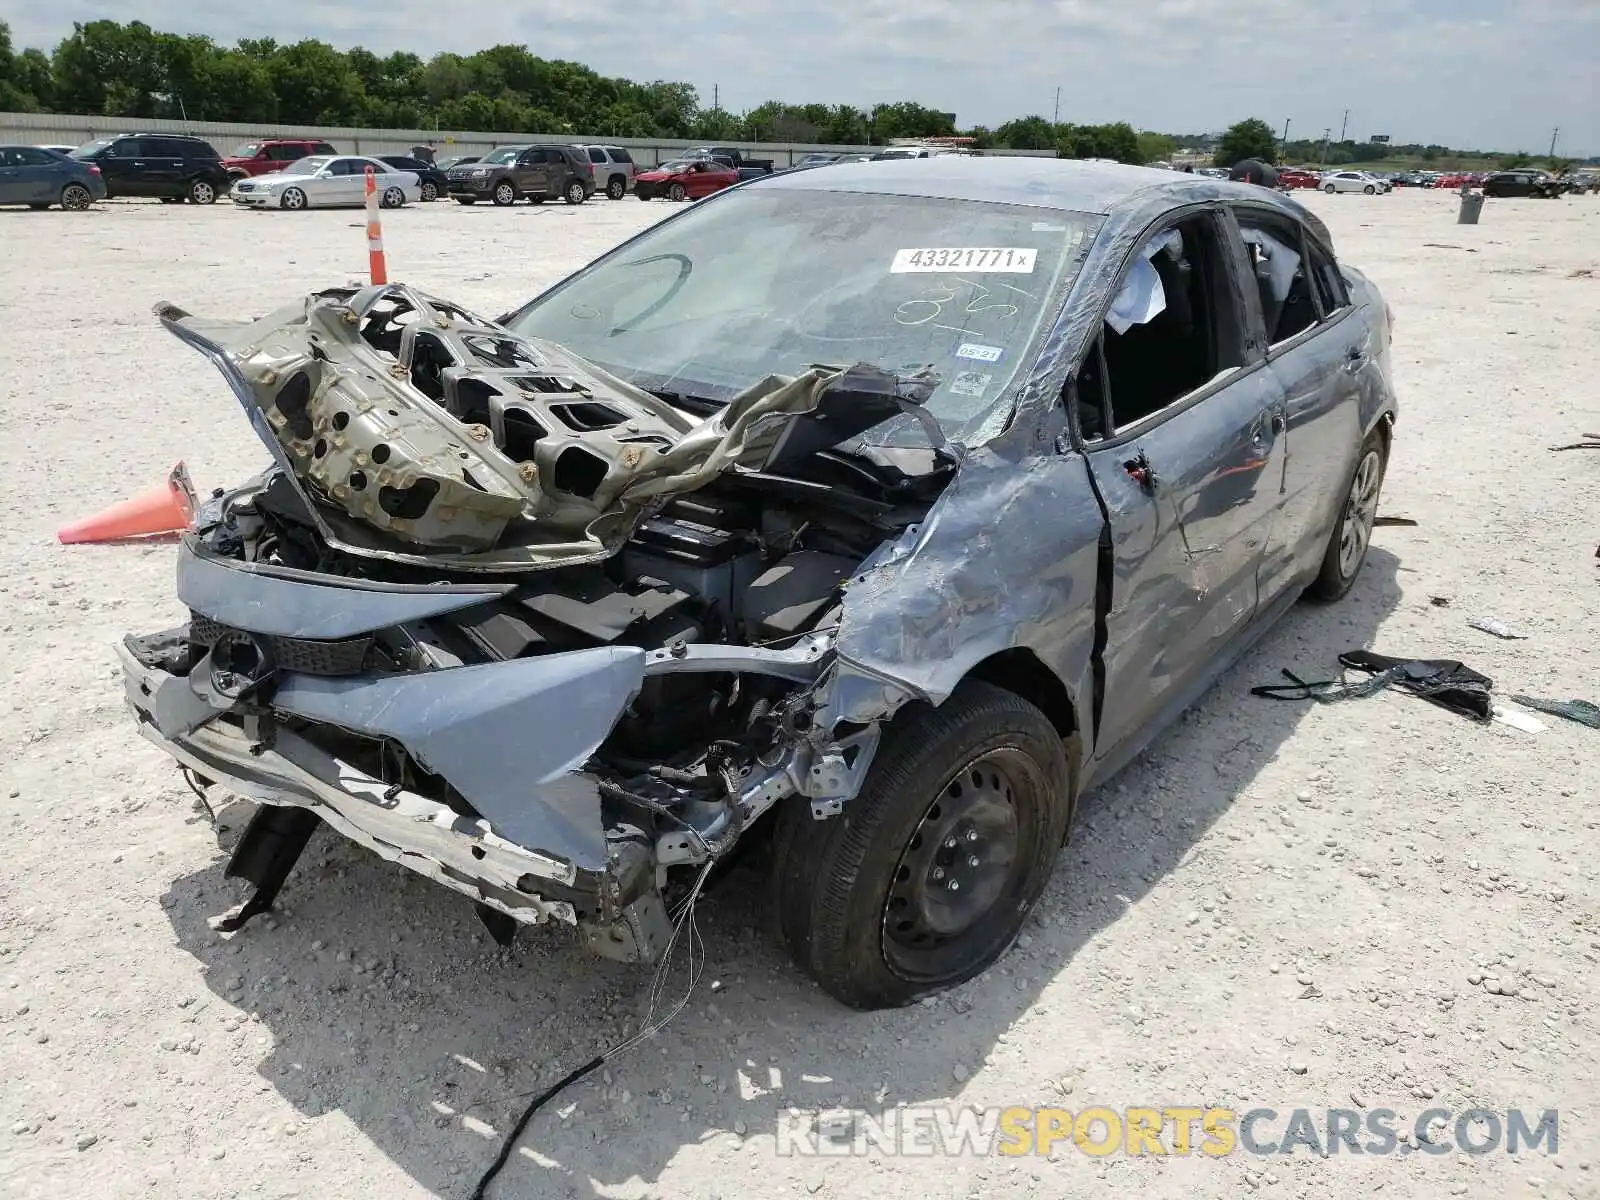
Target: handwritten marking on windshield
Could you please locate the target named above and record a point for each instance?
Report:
(932, 304)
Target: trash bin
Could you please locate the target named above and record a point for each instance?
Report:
(1471, 206)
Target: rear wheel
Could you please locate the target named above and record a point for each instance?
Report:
(504, 193)
(1352, 532)
(1330, 189)
(677, 192)
(75, 197)
(392, 198)
(202, 192)
(928, 875)
(616, 187)
(576, 193)
(293, 199)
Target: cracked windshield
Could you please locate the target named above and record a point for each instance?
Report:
(774, 281)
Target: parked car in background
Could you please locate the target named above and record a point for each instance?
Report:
(167, 166)
(57, 149)
(1510, 184)
(432, 182)
(532, 173)
(38, 177)
(1353, 181)
(459, 160)
(612, 168)
(685, 179)
(324, 181)
(748, 168)
(1291, 178)
(274, 154)
(895, 614)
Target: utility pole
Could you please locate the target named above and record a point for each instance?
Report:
(1553, 134)
(1056, 120)
(715, 98)
(1326, 133)
(1285, 147)
(1344, 125)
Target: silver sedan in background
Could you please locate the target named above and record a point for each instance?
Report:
(328, 181)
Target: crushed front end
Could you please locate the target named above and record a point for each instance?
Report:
(512, 623)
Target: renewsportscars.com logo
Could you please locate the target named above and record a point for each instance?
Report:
(1210, 1132)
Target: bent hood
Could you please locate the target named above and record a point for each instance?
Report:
(419, 432)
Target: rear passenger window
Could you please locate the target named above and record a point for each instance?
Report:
(596, 155)
(618, 154)
(1275, 249)
(126, 148)
(322, 148)
(1330, 284)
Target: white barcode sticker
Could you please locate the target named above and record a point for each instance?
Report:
(1012, 260)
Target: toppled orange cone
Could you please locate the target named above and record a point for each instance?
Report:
(166, 508)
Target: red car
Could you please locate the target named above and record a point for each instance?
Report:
(684, 179)
(263, 158)
(1293, 177)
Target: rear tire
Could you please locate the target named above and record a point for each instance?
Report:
(392, 198)
(616, 188)
(75, 198)
(430, 193)
(576, 193)
(202, 192)
(976, 793)
(1351, 536)
(1330, 189)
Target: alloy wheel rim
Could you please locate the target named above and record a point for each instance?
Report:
(1360, 510)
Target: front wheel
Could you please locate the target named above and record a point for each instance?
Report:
(1369, 189)
(430, 192)
(75, 197)
(677, 192)
(576, 193)
(504, 194)
(201, 192)
(1352, 532)
(617, 188)
(293, 199)
(927, 876)
(392, 198)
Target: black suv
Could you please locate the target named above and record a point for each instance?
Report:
(1521, 183)
(433, 181)
(511, 173)
(166, 165)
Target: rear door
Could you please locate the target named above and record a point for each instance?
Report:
(532, 172)
(1308, 351)
(166, 166)
(123, 164)
(40, 175)
(1176, 409)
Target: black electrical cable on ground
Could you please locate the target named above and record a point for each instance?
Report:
(534, 1105)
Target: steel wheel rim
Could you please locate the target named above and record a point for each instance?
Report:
(953, 877)
(75, 197)
(1360, 510)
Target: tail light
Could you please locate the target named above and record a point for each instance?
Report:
(93, 170)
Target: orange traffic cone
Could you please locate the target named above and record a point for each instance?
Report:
(166, 508)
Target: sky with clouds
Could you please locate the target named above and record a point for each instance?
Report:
(1492, 74)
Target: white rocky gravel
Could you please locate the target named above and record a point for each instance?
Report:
(1365, 905)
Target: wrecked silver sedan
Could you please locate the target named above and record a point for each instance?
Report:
(867, 516)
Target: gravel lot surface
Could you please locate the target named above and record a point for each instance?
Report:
(1367, 905)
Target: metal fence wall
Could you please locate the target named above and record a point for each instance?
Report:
(67, 129)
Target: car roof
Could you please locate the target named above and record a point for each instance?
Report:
(1069, 185)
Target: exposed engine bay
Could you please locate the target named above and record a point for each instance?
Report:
(513, 622)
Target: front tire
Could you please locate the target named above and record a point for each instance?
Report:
(1352, 532)
(505, 194)
(677, 192)
(202, 192)
(926, 878)
(75, 198)
(292, 199)
(1370, 190)
(617, 188)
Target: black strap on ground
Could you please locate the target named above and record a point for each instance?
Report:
(1444, 682)
(479, 1192)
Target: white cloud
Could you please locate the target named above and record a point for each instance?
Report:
(1489, 73)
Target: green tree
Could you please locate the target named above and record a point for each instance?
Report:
(1253, 138)
(1156, 147)
(15, 94)
(1026, 133)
